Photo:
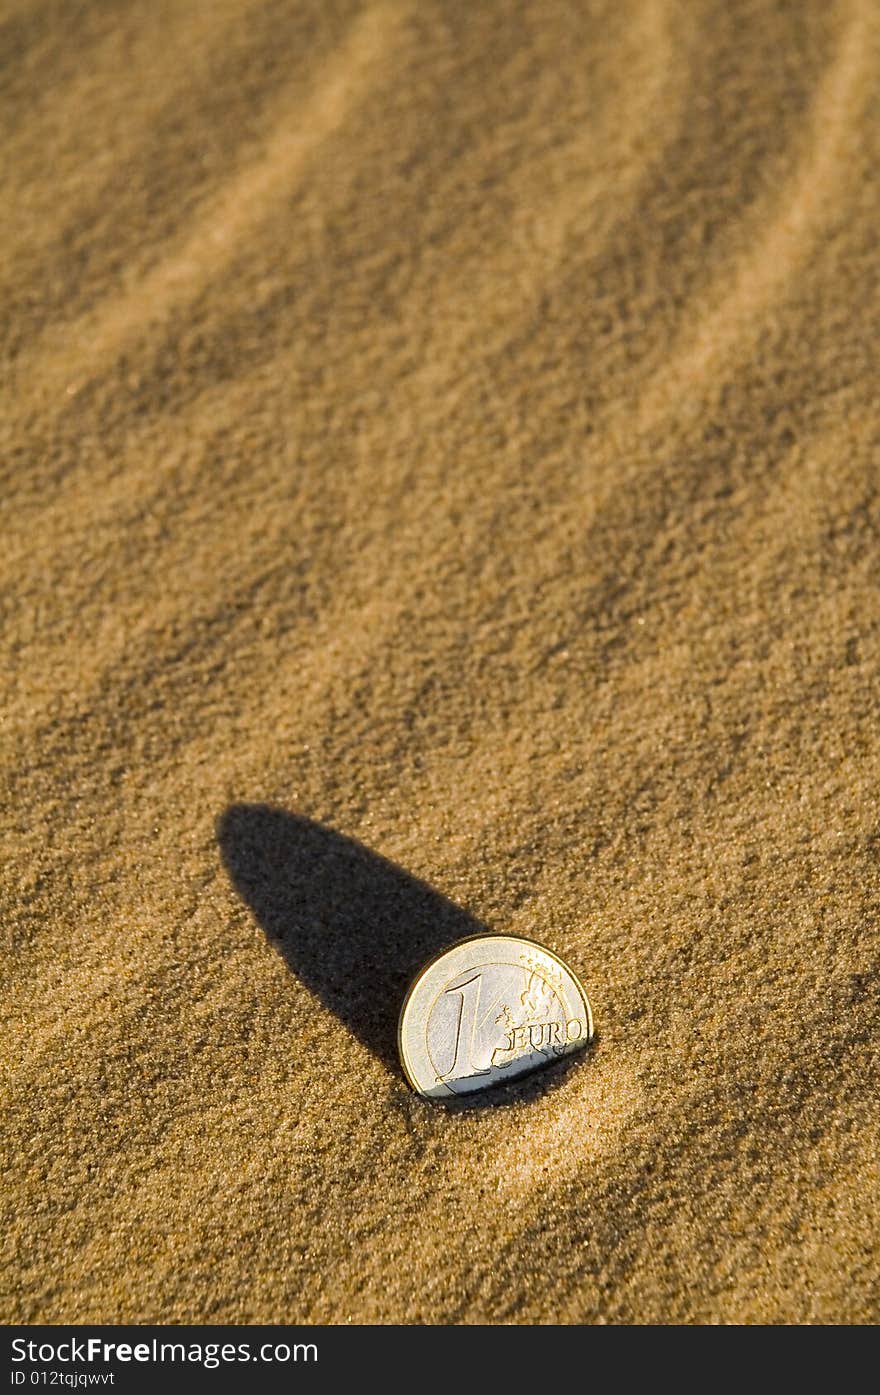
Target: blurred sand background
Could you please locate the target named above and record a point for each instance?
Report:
(440, 473)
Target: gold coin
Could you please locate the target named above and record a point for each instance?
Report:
(487, 1009)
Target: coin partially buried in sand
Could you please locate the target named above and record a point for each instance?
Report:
(486, 1010)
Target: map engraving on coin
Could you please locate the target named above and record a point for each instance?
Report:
(489, 1009)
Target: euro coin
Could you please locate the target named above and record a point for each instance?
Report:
(488, 1009)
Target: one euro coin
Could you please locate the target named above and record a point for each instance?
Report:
(486, 1010)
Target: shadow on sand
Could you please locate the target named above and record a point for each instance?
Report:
(354, 928)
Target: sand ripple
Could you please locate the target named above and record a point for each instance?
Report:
(454, 428)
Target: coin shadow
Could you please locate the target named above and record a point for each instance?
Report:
(352, 927)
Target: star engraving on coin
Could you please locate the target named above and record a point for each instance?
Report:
(488, 1009)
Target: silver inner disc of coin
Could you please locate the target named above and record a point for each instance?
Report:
(489, 1009)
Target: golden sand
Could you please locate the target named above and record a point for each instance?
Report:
(440, 458)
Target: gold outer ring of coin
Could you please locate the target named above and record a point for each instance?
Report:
(486, 1010)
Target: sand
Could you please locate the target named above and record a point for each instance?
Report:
(440, 462)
